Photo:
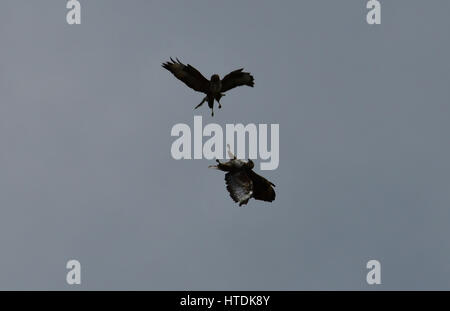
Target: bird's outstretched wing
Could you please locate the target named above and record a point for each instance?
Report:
(262, 188)
(188, 74)
(236, 78)
(240, 186)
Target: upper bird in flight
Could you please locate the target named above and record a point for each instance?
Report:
(213, 88)
(242, 182)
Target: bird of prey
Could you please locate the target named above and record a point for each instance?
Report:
(213, 88)
(243, 183)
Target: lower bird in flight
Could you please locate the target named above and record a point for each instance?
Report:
(243, 183)
(214, 88)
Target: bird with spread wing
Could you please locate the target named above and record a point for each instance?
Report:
(243, 183)
(214, 88)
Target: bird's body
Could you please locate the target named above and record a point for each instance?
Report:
(213, 88)
(243, 183)
(215, 85)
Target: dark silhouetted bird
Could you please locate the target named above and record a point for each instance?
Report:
(213, 88)
(243, 183)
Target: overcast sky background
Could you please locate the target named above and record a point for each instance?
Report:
(85, 166)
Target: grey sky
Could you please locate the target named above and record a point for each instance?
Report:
(85, 166)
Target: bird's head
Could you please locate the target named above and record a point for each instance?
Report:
(215, 78)
(250, 164)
